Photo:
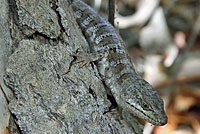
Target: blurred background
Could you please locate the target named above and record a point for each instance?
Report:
(162, 37)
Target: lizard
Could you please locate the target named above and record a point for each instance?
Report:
(131, 92)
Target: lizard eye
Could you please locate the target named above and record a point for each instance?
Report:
(145, 106)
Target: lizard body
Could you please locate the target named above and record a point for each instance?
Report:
(130, 91)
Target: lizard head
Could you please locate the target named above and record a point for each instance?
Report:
(142, 100)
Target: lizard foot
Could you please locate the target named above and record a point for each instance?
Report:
(86, 58)
(82, 58)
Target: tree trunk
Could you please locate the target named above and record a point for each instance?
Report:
(50, 93)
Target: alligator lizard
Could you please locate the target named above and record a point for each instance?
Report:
(131, 92)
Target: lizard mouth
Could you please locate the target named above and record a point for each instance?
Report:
(150, 119)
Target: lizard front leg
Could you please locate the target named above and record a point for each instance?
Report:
(87, 58)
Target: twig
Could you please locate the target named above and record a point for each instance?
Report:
(111, 15)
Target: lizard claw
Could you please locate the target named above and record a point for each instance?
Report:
(84, 58)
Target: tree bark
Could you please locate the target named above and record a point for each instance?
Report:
(52, 95)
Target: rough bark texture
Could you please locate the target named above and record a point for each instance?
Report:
(47, 99)
(4, 52)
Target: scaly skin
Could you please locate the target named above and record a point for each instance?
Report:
(130, 91)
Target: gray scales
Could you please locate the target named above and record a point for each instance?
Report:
(131, 92)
